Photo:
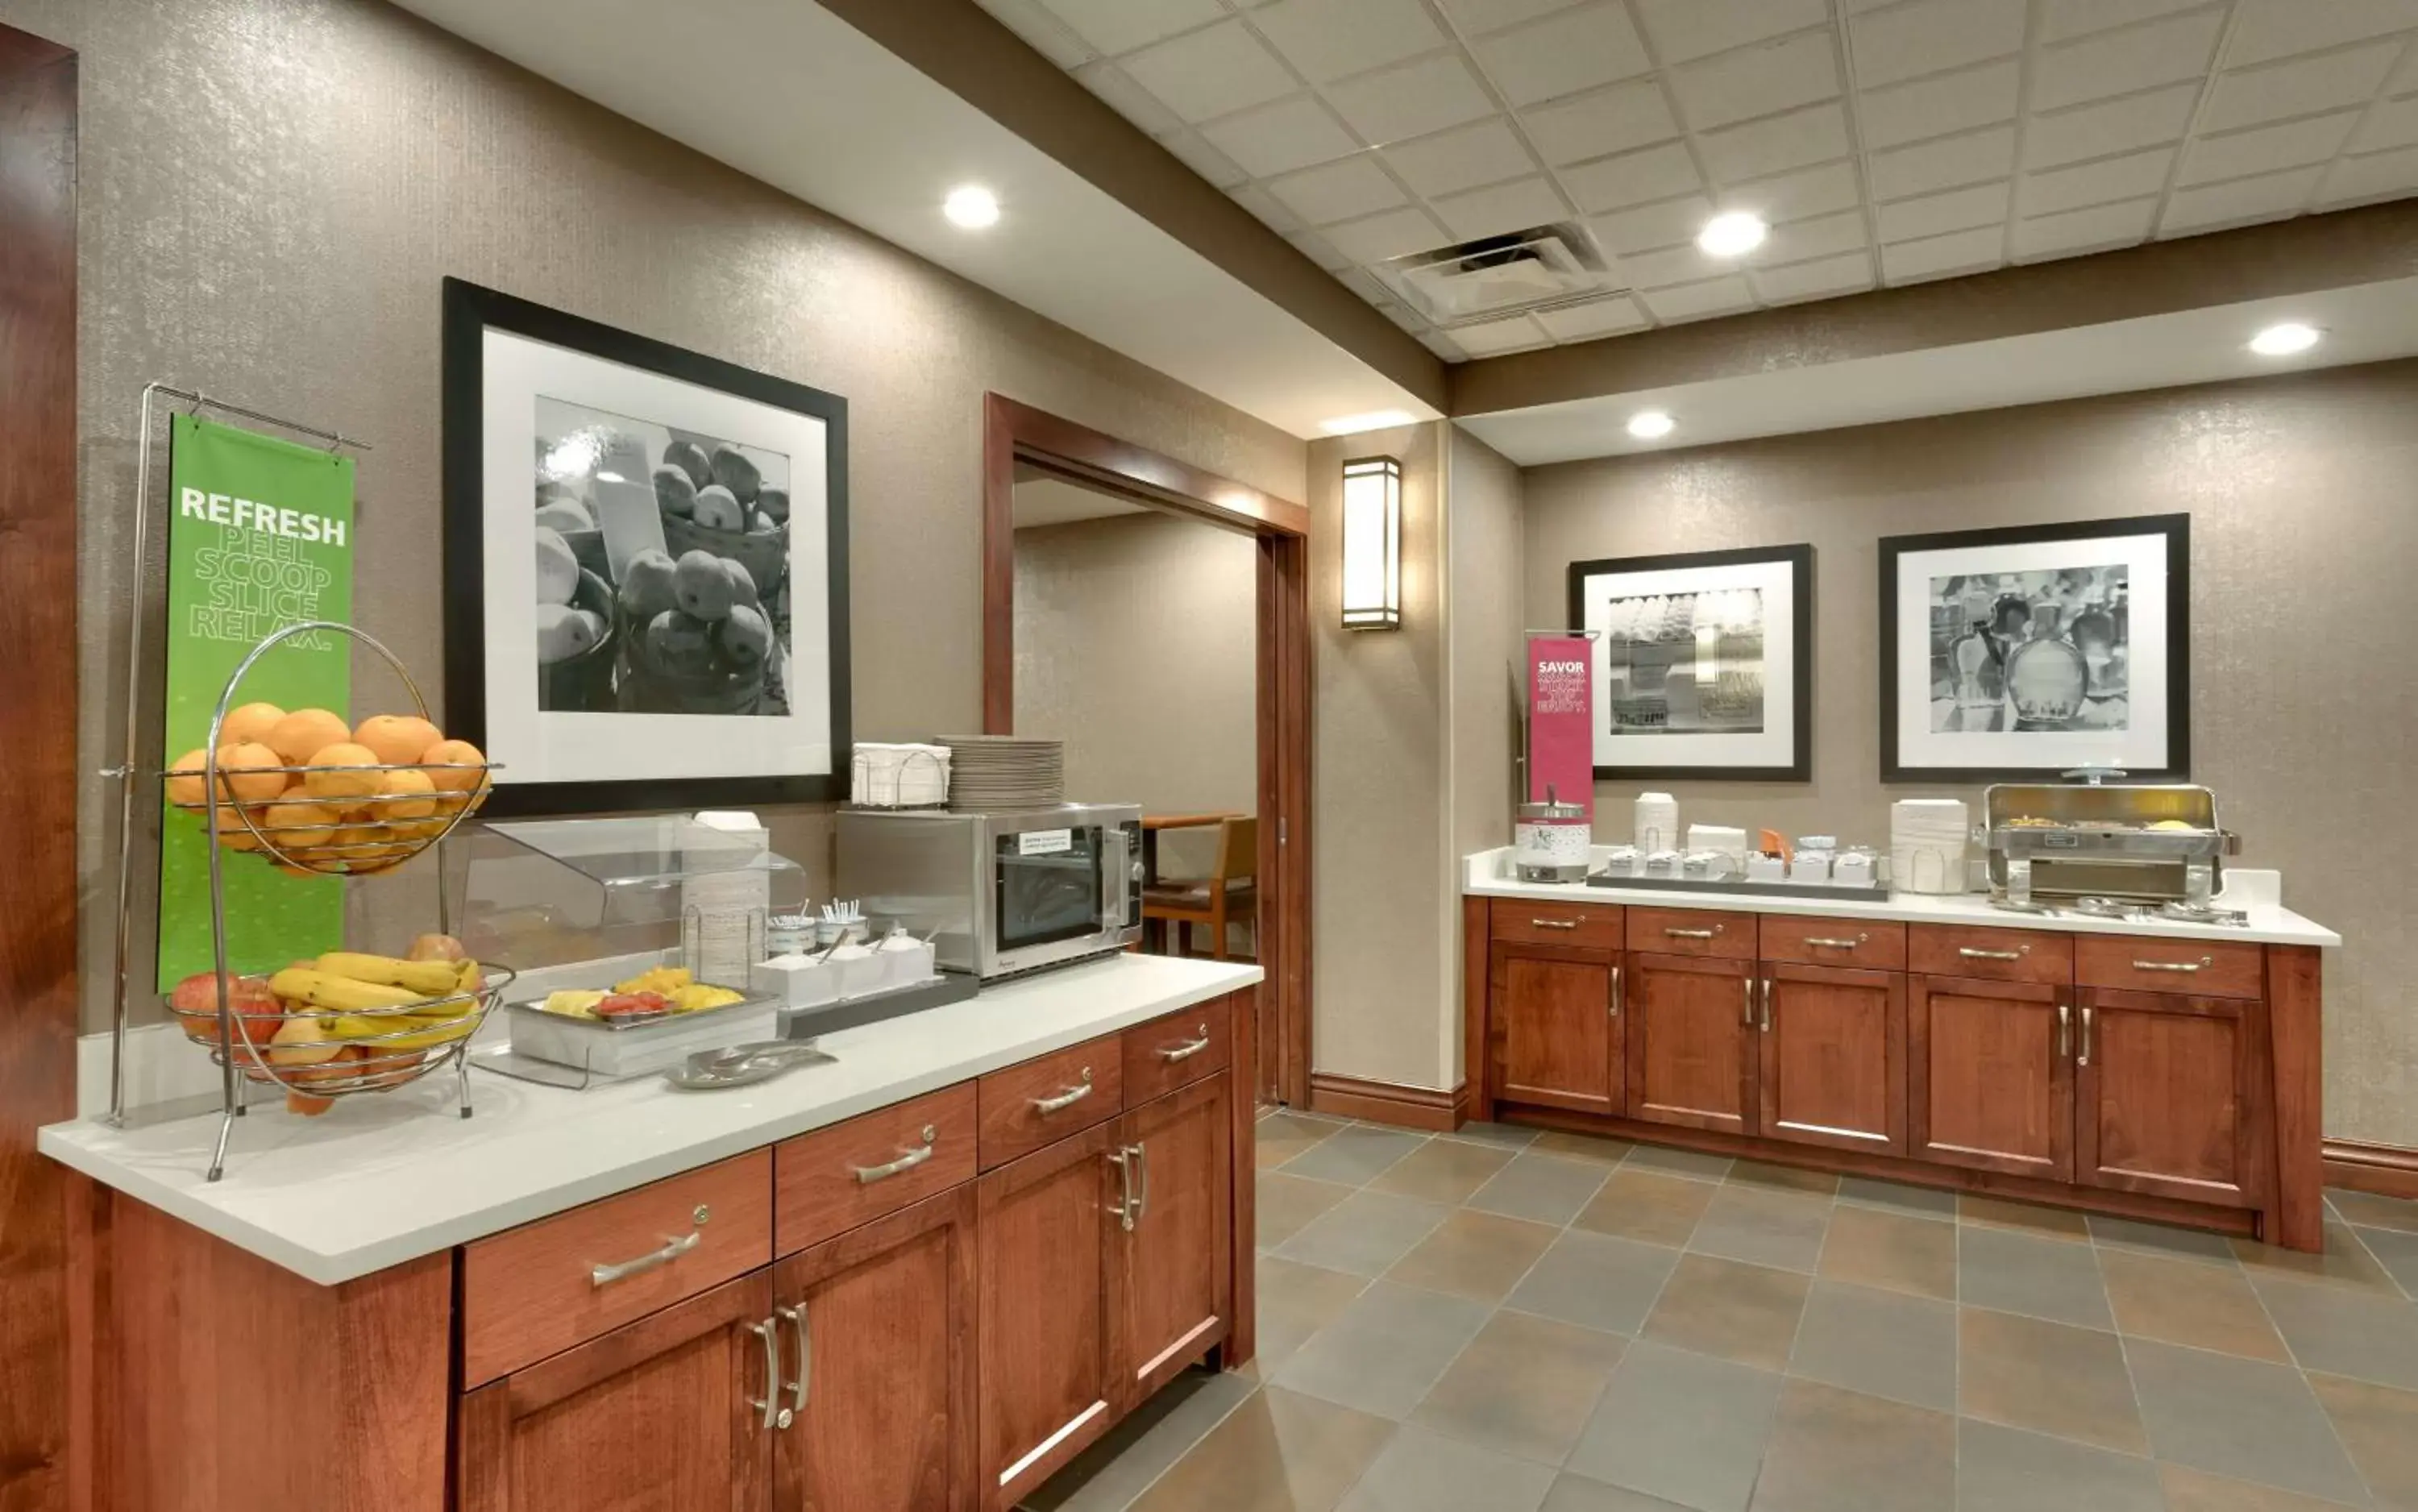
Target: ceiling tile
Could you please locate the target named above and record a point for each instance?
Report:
(2278, 28)
(2097, 183)
(1320, 250)
(1759, 149)
(1366, 285)
(1936, 107)
(1412, 100)
(1463, 158)
(1513, 206)
(1608, 316)
(1206, 160)
(1671, 223)
(1261, 202)
(2299, 88)
(1963, 251)
(1634, 179)
(1128, 98)
(2391, 123)
(1493, 337)
(1568, 52)
(1825, 236)
(1682, 30)
(2109, 127)
(1443, 346)
(2063, 18)
(2267, 149)
(1391, 234)
(1121, 25)
(1794, 196)
(1682, 263)
(1208, 73)
(1341, 190)
(1609, 121)
(1041, 31)
(1327, 40)
(1757, 81)
(2378, 176)
(1981, 204)
(1697, 302)
(1932, 35)
(1475, 18)
(1401, 317)
(2096, 229)
(2240, 202)
(2117, 63)
(1944, 163)
(1848, 274)
(1278, 138)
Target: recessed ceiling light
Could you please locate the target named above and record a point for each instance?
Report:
(2286, 339)
(972, 207)
(1376, 420)
(1732, 233)
(1651, 424)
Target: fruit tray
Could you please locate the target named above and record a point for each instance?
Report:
(622, 1050)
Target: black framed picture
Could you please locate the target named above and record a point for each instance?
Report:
(646, 567)
(1704, 663)
(2032, 650)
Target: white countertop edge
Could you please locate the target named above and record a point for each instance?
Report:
(179, 1189)
(2257, 892)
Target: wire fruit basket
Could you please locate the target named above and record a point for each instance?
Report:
(278, 1034)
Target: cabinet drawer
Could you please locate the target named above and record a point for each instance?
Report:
(1178, 1049)
(2202, 968)
(1556, 923)
(545, 1286)
(828, 1182)
(1728, 936)
(1025, 1107)
(1991, 955)
(1869, 944)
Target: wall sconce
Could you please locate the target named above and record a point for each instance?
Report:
(1372, 543)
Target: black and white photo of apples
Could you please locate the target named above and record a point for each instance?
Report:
(661, 559)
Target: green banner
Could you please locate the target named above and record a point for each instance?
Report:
(260, 537)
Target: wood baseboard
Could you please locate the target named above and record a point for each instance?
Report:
(2380, 1169)
(1384, 1102)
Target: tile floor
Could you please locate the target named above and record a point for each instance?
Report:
(1502, 1320)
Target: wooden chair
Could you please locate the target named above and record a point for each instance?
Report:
(1229, 892)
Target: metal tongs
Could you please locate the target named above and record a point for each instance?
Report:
(743, 1065)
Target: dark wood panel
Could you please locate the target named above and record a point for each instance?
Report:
(1025, 1107)
(1869, 944)
(1556, 1039)
(38, 888)
(1705, 932)
(1180, 1048)
(1539, 923)
(1477, 973)
(1991, 1076)
(2377, 1169)
(1048, 1383)
(1984, 953)
(1833, 1045)
(1242, 1221)
(2165, 1099)
(1081, 451)
(821, 1185)
(1170, 1265)
(1689, 1041)
(1385, 1102)
(2201, 967)
(2295, 1001)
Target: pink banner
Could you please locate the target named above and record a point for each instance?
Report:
(1561, 719)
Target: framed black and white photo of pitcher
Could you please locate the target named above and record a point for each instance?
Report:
(1704, 663)
(2032, 651)
(646, 567)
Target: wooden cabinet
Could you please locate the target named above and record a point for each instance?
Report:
(1555, 1038)
(1691, 1051)
(2167, 1092)
(1169, 1277)
(1047, 1379)
(1991, 1077)
(877, 1343)
(667, 1411)
(1833, 1053)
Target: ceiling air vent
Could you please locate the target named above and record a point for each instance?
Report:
(1496, 276)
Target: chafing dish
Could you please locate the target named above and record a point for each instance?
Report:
(2152, 843)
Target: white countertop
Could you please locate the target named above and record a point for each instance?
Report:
(384, 1179)
(2259, 893)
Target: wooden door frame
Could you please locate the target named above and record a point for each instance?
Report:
(45, 1417)
(1014, 432)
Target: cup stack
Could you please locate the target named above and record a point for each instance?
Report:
(1927, 841)
(1656, 822)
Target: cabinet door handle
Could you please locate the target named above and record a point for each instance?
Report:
(1972, 954)
(769, 1403)
(2064, 1030)
(1767, 1005)
(2175, 966)
(1067, 1098)
(1190, 1049)
(1749, 984)
(1616, 992)
(1828, 942)
(1141, 1158)
(796, 1317)
(2084, 1059)
(1692, 934)
(672, 1250)
(908, 1160)
(1553, 924)
(1131, 1201)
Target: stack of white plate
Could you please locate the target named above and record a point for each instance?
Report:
(988, 772)
(899, 776)
(1927, 840)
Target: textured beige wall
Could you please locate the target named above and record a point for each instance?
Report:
(1483, 509)
(2305, 711)
(273, 189)
(1137, 643)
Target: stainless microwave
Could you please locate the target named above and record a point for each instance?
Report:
(1005, 892)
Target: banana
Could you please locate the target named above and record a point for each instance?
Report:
(321, 989)
(425, 978)
(410, 1031)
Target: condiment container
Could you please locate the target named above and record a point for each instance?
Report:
(1623, 860)
(798, 980)
(789, 934)
(905, 959)
(1706, 865)
(1763, 868)
(1666, 863)
(1551, 841)
(1855, 866)
(1809, 865)
(857, 970)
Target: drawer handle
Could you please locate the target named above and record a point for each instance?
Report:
(1692, 934)
(1067, 1098)
(2175, 966)
(1767, 1005)
(775, 1415)
(2064, 1030)
(1190, 1047)
(1972, 954)
(672, 1250)
(796, 1317)
(1749, 984)
(1616, 992)
(2084, 1059)
(1826, 942)
(1553, 924)
(908, 1160)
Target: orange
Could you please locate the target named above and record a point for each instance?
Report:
(408, 794)
(458, 765)
(397, 739)
(249, 772)
(292, 827)
(341, 785)
(305, 731)
(250, 721)
(187, 780)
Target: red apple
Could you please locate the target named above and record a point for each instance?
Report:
(196, 1002)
